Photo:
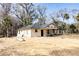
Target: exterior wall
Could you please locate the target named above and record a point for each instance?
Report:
(51, 26)
(45, 33)
(38, 33)
(23, 33)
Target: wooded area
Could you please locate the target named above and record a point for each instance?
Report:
(15, 16)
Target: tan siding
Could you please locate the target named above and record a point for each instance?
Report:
(45, 33)
(36, 34)
(51, 26)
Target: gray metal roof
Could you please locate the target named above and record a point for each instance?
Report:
(37, 26)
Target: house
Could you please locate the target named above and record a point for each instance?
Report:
(37, 30)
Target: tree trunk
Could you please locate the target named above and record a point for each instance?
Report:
(7, 33)
(63, 27)
(12, 31)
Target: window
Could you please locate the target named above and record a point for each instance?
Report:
(36, 30)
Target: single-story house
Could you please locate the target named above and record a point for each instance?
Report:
(37, 30)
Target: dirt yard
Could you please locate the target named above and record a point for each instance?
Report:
(64, 45)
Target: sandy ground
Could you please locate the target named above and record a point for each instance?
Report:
(63, 45)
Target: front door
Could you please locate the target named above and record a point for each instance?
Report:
(41, 32)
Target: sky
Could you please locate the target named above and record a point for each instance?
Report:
(53, 7)
(57, 6)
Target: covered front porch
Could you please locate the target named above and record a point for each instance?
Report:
(51, 32)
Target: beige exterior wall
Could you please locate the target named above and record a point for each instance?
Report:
(51, 26)
(38, 33)
(45, 32)
(22, 34)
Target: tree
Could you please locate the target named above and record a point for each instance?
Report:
(76, 17)
(25, 12)
(55, 21)
(64, 14)
(61, 14)
(7, 24)
(6, 8)
(72, 28)
(41, 14)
